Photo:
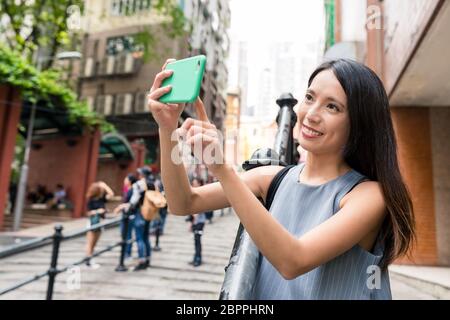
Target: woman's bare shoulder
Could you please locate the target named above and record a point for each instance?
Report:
(370, 190)
(262, 177)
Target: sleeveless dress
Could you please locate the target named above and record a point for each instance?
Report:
(355, 274)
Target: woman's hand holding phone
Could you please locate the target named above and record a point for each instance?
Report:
(194, 132)
(165, 115)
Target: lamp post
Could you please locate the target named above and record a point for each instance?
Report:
(21, 189)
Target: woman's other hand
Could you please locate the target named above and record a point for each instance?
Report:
(205, 140)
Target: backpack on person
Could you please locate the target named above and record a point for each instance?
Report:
(152, 201)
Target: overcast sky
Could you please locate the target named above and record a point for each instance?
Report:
(268, 20)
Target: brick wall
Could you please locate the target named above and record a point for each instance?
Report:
(440, 134)
(412, 127)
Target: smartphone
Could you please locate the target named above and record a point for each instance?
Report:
(185, 80)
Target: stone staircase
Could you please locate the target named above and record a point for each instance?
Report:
(431, 281)
(36, 217)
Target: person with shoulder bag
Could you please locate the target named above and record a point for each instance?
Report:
(145, 212)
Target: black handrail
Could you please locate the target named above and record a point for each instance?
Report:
(56, 240)
(24, 282)
(43, 241)
(25, 246)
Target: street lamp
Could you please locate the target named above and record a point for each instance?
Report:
(20, 197)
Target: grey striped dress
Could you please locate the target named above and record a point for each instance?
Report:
(353, 275)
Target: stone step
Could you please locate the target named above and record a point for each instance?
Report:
(434, 281)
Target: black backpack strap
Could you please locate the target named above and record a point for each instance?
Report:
(276, 181)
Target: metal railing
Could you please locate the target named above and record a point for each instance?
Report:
(242, 268)
(56, 240)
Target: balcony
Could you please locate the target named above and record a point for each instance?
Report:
(121, 65)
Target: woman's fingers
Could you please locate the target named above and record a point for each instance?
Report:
(200, 129)
(162, 75)
(158, 93)
(155, 106)
(160, 78)
(190, 122)
(167, 62)
(200, 109)
(186, 125)
(199, 138)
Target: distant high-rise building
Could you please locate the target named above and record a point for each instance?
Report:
(210, 21)
(265, 89)
(243, 77)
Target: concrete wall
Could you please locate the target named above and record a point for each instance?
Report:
(405, 23)
(440, 135)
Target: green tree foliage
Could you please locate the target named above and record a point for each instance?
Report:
(33, 24)
(45, 87)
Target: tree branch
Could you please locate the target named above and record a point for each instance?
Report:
(55, 43)
(7, 11)
(34, 34)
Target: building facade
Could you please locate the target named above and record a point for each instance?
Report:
(116, 78)
(405, 41)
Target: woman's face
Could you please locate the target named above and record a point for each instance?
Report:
(323, 116)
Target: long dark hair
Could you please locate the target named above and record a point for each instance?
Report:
(371, 149)
(95, 191)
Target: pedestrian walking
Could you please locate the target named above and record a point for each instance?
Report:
(146, 181)
(97, 195)
(157, 225)
(127, 191)
(197, 225)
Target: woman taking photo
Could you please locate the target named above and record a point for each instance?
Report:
(339, 219)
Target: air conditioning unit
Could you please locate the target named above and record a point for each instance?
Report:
(104, 105)
(90, 102)
(107, 65)
(140, 105)
(88, 67)
(125, 63)
(123, 103)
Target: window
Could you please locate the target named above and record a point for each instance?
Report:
(126, 43)
(115, 7)
(128, 7)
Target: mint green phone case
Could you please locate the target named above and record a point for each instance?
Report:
(186, 79)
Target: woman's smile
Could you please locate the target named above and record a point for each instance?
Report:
(310, 133)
